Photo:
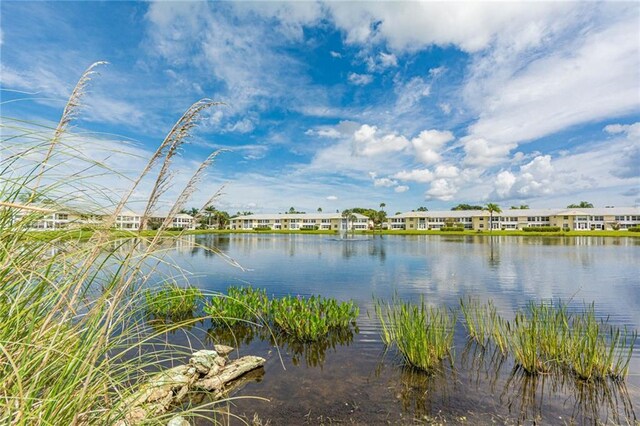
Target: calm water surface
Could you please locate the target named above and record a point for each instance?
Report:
(352, 380)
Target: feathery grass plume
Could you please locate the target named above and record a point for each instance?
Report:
(176, 137)
(69, 112)
(73, 335)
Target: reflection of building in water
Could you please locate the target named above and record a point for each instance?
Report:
(295, 221)
(610, 218)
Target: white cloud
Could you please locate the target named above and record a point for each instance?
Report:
(332, 198)
(360, 79)
(416, 175)
(401, 188)
(242, 126)
(631, 130)
(415, 25)
(480, 152)
(587, 78)
(335, 54)
(428, 144)
(381, 62)
(443, 171)
(441, 189)
(368, 142)
(410, 93)
(437, 72)
(445, 108)
(388, 60)
(384, 182)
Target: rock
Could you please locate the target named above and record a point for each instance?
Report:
(223, 350)
(178, 421)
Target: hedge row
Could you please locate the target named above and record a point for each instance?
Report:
(542, 229)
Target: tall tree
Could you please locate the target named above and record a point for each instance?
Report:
(492, 208)
(467, 207)
(582, 205)
(319, 209)
(382, 206)
(422, 209)
(210, 211)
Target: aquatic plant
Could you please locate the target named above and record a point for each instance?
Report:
(311, 318)
(423, 334)
(240, 304)
(483, 324)
(597, 350)
(171, 301)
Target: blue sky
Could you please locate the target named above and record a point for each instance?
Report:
(342, 104)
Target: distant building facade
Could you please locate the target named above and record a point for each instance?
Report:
(610, 218)
(297, 221)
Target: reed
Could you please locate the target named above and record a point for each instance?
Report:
(422, 334)
(72, 342)
(483, 324)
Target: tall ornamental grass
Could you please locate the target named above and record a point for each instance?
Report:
(73, 340)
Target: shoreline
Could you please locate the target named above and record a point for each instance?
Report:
(86, 234)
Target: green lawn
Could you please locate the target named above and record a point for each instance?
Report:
(77, 234)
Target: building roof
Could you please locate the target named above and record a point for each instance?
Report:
(604, 211)
(282, 216)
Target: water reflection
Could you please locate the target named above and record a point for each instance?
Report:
(312, 354)
(508, 270)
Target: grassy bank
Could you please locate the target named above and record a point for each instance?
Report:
(77, 234)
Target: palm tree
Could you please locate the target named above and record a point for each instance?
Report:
(492, 208)
(382, 206)
(210, 210)
(346, 216)
(319, 209)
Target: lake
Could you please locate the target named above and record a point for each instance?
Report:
(351, 379)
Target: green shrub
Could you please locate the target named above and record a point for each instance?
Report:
(241, 304)
(262, 228)
(452, 229)
(542, 229)
(634, 229)
(172, 301)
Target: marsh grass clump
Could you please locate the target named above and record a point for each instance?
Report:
(311, 318)
(239, 305)
(423, 334)
(597, 350)
(546, 336)
(171, 301)
(483, 324)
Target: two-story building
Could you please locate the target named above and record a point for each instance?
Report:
(296, 221)
(608, 218)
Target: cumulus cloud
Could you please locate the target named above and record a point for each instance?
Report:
(401, 188)
(332, 198)
(480, 152)
(428, 144)
(360, 79)
(441, 189)
(444, 171)
(415, 175)
(445, 108)
(367, 141)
